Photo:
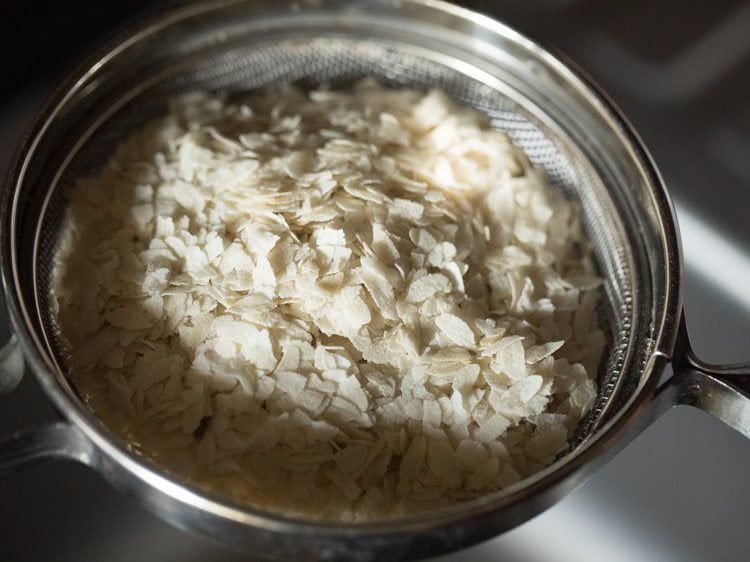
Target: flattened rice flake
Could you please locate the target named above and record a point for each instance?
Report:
(345, 305)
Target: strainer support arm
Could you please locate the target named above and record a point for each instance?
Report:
(721, 390)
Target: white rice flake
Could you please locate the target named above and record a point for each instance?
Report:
(426, 286)
(456, 329)
(264, 279)
(441, 458)
(405, 209)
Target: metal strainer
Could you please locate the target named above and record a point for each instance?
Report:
(553, 113)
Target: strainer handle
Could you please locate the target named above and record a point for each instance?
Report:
(59, 440)
(11, 365)
(721, 390)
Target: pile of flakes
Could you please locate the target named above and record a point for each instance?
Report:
(344, 305)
